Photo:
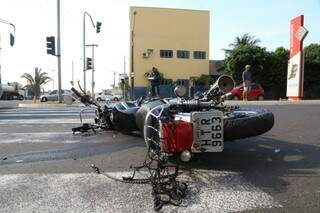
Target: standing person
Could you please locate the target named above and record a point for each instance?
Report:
(247, 79)
(154, 78)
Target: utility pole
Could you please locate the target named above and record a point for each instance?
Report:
(72, 79)
(132, 53)
(59, 51)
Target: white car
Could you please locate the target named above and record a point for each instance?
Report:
(53, 96)
(107, 96)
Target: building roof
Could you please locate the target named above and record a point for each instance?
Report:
(141, 7)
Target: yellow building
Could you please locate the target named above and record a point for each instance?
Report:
(176, 41)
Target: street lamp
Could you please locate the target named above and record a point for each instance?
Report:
(132, 52)
(11, 43)
(97, 26)
(14, 30)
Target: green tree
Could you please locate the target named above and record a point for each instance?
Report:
(241, 55)
(312, 71)
(278, 72)
(37, 81)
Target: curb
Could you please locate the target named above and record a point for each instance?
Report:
(285, 102)
(35, 105)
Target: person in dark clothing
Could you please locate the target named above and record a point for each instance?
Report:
(247, 79)
(154, 78)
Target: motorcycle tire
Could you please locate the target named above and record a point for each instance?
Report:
(243, 123)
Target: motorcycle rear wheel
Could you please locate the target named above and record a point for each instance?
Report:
(243, 123)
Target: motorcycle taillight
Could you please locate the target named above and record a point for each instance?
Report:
(177, 135)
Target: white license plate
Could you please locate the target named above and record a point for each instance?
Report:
(207, 131)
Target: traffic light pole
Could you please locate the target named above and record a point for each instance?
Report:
(12, 37)
(84, 53)
(93, 68)
(59, 52)
(84, 44)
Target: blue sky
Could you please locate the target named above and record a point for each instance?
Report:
(268, 20)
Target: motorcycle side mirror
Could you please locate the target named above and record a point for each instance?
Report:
(180, 91)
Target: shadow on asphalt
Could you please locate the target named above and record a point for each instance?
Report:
(262, 161)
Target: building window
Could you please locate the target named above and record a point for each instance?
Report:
(166, 53)
(166, 82)
(199, 55)
(183, 54)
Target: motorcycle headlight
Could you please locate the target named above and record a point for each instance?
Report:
(185, 156)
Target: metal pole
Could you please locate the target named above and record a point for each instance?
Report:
(0, 71)
(14, 31)
(93, 68)
(84, 52)
(132, 54)
(92, 83)
(72, 73)
(59, 52)
(124, 76)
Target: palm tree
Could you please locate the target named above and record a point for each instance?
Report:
(245, 39)
(34, 83)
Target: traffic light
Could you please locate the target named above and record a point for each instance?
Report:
(51, 45)
(98, 27)
(11, 39)
(89, 63)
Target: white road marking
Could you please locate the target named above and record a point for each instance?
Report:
(209, 191)
(40, 114)
(40, 121)
(49, 137)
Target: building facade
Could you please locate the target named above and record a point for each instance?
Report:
(176, 41)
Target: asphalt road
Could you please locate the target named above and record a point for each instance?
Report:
(44, 168)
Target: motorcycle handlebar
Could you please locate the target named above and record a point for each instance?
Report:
(83, 98)
(76, 92)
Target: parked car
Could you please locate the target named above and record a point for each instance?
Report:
(53, 96)
(256, 93)
(107, 96)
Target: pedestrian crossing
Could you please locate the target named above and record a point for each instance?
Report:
(42, 117)
(31, 125)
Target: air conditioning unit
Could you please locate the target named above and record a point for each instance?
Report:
(147, 54)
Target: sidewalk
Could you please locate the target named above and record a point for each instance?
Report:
(273, 102)
(9, 104)
(28, 103)
(39, 104)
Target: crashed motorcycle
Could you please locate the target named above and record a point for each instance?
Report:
(182, 126)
